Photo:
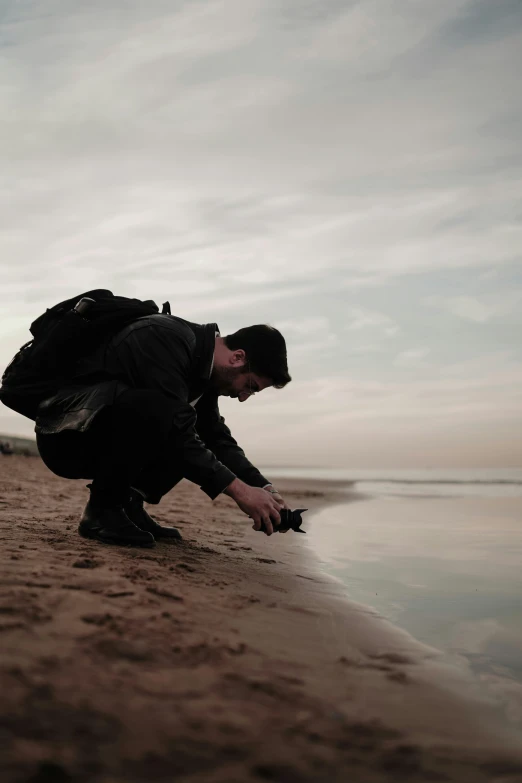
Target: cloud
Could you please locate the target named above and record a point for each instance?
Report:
(456, 415)
(370, 35)
(338, 170)
(307, 337)
(366, 319)
(410, 358)
(493, 305)
(306, 327)
(469, 308)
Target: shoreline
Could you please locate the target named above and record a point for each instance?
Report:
(438, 669)
(226, 658)
(503, 689)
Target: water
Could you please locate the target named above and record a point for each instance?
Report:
(439, 553)
(483, 482)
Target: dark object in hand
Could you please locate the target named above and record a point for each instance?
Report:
(290, 520)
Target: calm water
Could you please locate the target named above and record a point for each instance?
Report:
(439, 554)
(503, 482)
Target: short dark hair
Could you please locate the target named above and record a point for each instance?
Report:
(265, 350)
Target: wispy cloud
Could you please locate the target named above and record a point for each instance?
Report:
(359, 319)
(492, 305)
(413, 357)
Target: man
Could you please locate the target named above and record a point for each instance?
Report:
(143, 413)
(5, 447)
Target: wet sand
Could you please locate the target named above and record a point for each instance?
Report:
(225, 658)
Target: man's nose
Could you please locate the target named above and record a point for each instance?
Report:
(243, 396)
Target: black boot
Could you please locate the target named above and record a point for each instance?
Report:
(112, 526)
(137, 514)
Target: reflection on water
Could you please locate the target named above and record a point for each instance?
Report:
(446, 570)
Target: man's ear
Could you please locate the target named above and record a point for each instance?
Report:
(238, 358)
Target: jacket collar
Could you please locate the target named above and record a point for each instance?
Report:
(204, 352)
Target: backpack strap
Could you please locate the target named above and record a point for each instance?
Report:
(165, 308)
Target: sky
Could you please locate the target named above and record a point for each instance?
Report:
(348, 172)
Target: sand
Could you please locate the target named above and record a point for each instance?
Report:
(225, 658)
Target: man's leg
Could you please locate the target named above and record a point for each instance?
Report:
(142, 455)
(123, 440)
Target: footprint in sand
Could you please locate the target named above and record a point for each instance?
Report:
(164, 593)
(398, 676)
(392, 658)
(128, 650)
(87, 562)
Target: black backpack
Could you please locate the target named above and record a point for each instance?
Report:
(62, 335)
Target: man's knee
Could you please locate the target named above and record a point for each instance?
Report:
(64, 454)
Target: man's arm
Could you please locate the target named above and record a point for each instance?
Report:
(150, 356)
(216, 436)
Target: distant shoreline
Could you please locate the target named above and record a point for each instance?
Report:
(20, 445)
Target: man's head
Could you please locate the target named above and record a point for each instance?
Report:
(249, 361)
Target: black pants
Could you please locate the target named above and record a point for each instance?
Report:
(131, 443)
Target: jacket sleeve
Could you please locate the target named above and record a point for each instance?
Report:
(149, 356)
(216, 435)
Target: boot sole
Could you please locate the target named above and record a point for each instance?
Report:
(159, 536)
(94, 537)
(141, 519)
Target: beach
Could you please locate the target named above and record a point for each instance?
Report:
(228, 657)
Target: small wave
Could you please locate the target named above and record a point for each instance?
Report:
(485, 482)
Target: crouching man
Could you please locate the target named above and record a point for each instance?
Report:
(151, 418)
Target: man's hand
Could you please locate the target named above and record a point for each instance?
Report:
(277, 496)
(262, 506)
(282, 503)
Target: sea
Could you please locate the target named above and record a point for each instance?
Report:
(437, 552)
(423, 482)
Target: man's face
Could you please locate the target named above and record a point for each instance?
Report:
(237, 382)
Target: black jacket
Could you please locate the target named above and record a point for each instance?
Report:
(171, 355)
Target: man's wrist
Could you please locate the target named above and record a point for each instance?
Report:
(234, 488)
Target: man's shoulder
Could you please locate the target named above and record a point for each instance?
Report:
(158, 323)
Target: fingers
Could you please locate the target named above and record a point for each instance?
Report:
(268, 526)
(267, 517)
(273, 518)
(264, 524)
(280, 502)
(271, 521)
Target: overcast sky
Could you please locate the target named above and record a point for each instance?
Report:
(349, 172)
